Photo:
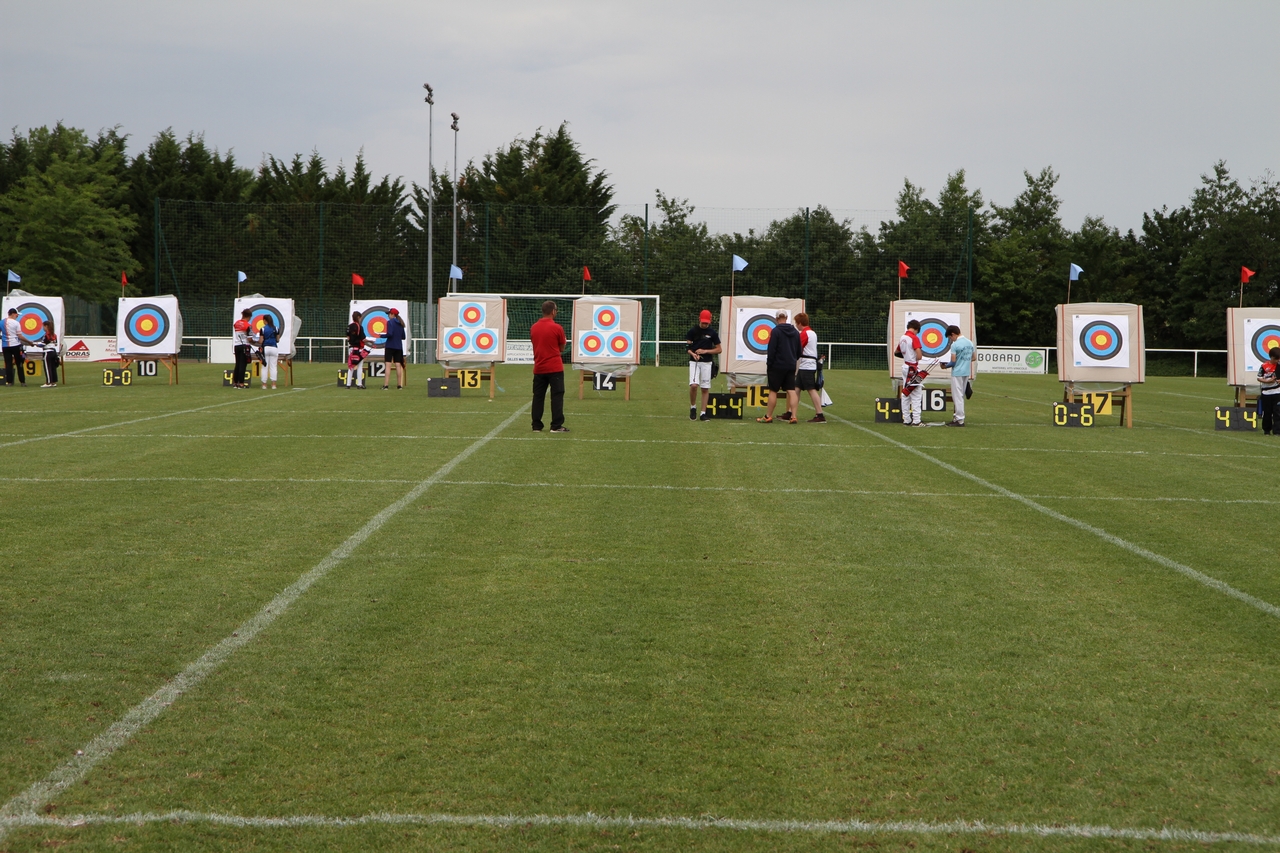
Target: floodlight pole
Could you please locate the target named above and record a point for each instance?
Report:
(431, 213)
(452, 281)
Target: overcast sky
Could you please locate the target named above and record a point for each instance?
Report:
(731, 105)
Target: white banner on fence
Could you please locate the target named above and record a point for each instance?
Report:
(89, 349)
(519, 352)
(1012, 359)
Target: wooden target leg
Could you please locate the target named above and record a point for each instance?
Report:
(628, 397)
(582, 378)
(492, 378)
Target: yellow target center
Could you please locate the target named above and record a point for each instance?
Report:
(1100, 340)
(147, 324)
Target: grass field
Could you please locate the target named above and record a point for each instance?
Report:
(328, 619)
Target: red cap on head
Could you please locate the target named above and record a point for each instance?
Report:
(394, 311)
(704, 317)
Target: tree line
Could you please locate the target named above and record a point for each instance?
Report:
(77, 210)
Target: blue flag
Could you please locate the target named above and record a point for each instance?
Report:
(1075, 272)
(739, 264)
(14, 278)
(240, 276)
(455, 272)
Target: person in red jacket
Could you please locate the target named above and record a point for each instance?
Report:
(548, 368)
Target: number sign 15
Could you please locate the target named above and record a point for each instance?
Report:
(757, 396)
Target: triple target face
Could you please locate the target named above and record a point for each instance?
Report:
(1101, 340)
(475, 332)
(605, 338)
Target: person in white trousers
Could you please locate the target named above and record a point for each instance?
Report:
(961, 366)
(909, 348)
(270, 338)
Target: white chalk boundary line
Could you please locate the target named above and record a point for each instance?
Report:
(83, 432)
(631, 486)
(1199, 577)
(594, 821)
(104, 745)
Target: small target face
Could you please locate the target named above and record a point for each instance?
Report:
(605, 318)
(756, 333)
(1261, 344)
(620, 344)
(933, 338)
(471, 314)
(31, 317)
(1100, 340)
(259, 314)
(485, 341)
(146, 325)
(375, 322)
(456, 340)
(592, 343)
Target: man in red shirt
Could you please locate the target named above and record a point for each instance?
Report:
(240, 336)
(548, 368)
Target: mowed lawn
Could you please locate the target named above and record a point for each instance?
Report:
(647, 617)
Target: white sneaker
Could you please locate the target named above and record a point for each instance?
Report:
(48, 385)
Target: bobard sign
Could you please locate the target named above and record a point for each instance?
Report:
(1012, 360)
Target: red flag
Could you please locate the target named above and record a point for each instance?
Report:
(123, 280)
(586, 274)
(357, 280)
(902, 269)
(1246, 274)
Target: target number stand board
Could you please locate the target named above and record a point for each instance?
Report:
(727, 406)
(472, 377)
(603, 382)
(144, 366)
(1235, 418)
(1101, 402)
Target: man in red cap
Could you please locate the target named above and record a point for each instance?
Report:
(393, 350)
(703, 343)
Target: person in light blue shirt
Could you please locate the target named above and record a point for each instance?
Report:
(961, 366)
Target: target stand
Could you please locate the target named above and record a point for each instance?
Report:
(485, 373)
(1122, 397)
(169, 361)
(583, 373)
(1244, 399)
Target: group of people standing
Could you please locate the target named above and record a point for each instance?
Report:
(266, 339)
(911, 352)
(792, 365)
(359, 347)
(14, 359)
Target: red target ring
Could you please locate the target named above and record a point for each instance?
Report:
(592, 343)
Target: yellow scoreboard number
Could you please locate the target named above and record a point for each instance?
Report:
(757, 396)
(468, 379)
(1235, 418)
(114, 377)
(1072, 414)
(726, 406)
(1101, 402)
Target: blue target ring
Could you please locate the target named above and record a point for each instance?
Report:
(471, 314)
(146, 325)
(456, 340)
(485, 341)
(375, 321)
(933, 338)
(756, 333)
(1261, 343)
(1101, 340)
(259, 313)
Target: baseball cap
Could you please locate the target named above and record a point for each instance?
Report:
(704, 317)
(394, 311)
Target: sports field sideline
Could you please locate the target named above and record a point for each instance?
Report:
(329, 619)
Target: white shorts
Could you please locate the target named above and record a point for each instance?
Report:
(700, 373)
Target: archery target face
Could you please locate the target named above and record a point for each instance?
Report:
(375, 321)
(31, 317)
(259, 314)
(755, 327)
(471, 314)
(933, 332)
(485, 341)
(1260, 335)
(605, 317)
(456, 341)
(1100, 340)
(620, 344)
(591, 343)
(147, 325)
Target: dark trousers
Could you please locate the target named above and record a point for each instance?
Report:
(541, 382)
(242, 365)
(1269, 403)
(50, 367)
(12, 359)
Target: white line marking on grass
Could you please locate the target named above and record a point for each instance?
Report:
(81, 432)
(594, 821)
(104, 745)
(1199, 577)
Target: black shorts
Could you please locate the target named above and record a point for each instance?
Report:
(393, 356)
(782, 380)
(807, 380)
